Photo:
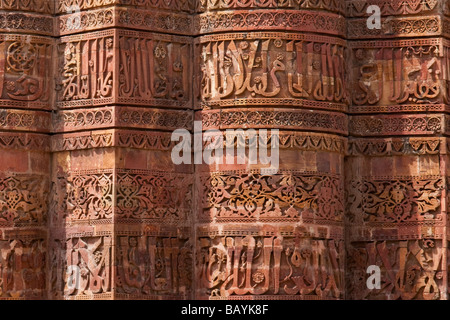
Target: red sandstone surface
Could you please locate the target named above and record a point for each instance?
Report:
(91, 91)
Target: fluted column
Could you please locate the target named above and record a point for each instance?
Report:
(271, 65)
(26, 51)
(122, 210)
(397, 165)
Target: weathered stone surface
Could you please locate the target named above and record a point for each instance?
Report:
(92, 205)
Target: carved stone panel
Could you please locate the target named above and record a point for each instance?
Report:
(410, 269)
(125, 67)
(270, 68)
(81, 267)
(154, 266)
(285, 197)
(280, 267)
(25, 72)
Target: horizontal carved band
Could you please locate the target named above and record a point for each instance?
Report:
(121, 116)
(24, 141)
(302, 230)
(82, 140)
(399, 43)
(268, 118)
(397, 146)
(112, 138)
(192, 6)
(413, 230)
(398, 27)
(27, 23)
(425, 107)
(289, 20)
(64, 6)
(358, 8)
(286, 140)
(276, 198)
(329, 5)
(384, 125)
(83, 119)
(21, 120)
(126, 17)
(39, 6)
(154, 118)
(162, 141)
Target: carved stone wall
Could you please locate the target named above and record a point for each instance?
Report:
(122, 208)
(26, 102)
(263, 66)
(93, 207)
(396, 169)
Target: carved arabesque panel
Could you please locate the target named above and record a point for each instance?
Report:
(160, 196)
(394, 200)
(82, 196)
(25, 71)
(23, 200)
(285, 197)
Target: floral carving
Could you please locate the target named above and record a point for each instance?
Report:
(153, 195)
(23, 200)
(285, 197)
(395, 200)
(83, 196)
